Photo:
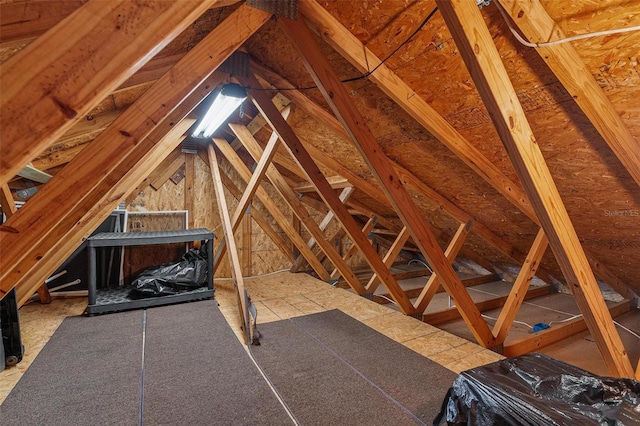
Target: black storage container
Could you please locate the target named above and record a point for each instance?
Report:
(11, 349)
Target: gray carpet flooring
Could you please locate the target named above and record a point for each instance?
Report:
(332, 369)
(328, 368)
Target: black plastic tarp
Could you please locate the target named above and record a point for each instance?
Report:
(172, 278)
(535, 389)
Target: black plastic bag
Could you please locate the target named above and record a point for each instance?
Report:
(535, 389)
(172, 278)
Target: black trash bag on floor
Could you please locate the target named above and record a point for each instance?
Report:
(535, 389)
(173, 278)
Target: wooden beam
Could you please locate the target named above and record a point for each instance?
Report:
(22, 21)
(36, 175)
(289, 196)
(236, 269)
(252, 186)
(336, 182)
(168, 171)
(272, 207)
(256, 215)
(405, 176)
(314, 174)
(345, 43)
(81, 60)
(92, 174)
(173, 155)
(326, 220)
(280, 101)
(246, 243)
(436, 318)
(565, 62)
(389, 257)
(431, 287)
(474, 41)
(557, 333)
(335, 274)
(340, 102)
(91, 214)
(6, 201)
(189, 183)
(519, 289)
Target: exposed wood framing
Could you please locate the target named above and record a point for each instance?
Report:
(557, 333)
(87, 183)
(236, 269)
(351, 251)
(252, 186)
(451, 314)
(339, 101)
(324, 223)
(434, 281)
(336, 182)
(341, 39)
(6, 201)
(389, 257)
(256, 215)
(189, 182)
(565, 62)
(246, 243)
(90, 214)
(152, 176)
(520, 287)
(406, 177)
(290, 197)
(167, 172)
(485, 66)
(81, 60)
(272, 207)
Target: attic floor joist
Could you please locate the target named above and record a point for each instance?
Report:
(481, 57)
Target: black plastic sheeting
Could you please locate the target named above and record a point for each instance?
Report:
(535, 389)
(172, 278)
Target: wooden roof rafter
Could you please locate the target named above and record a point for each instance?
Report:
(345, 43)
(483, 61)
(100, 59)
(336, 95)
(117, 148)
(565, 62)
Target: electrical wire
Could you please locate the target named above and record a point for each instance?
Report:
(425, 264)
(515, 322)
(564, 40)
(368, 73)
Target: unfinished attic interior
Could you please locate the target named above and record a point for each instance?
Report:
(461, 177)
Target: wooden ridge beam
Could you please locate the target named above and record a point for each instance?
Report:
(434, 281)
(340, 102)
(557, 333)
(271, 206)
(92, 174)
(481, 57)
(345, 43)
(519, 289)
(565, 62)
(81, 60)
(236, 269)
(436, 318)
(287, 193)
